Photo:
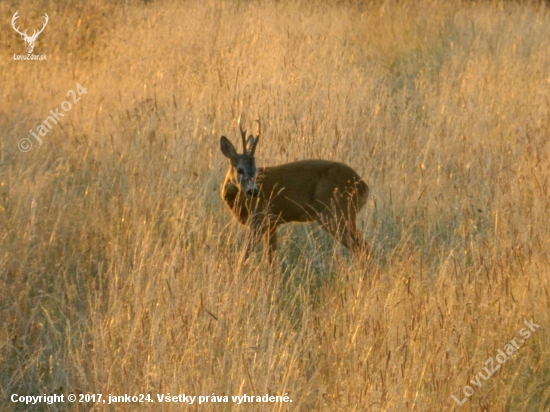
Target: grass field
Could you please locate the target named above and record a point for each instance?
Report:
(121, 271)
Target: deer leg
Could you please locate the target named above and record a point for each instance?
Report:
(248, 246)
(252, 239)
(271, 234)
(352, 239)
(342, 227)
(260, 229)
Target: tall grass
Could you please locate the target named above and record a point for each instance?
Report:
(121, 271)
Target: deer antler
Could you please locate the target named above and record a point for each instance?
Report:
(35, 34)
(259, 129)
(243, 134)
(255, 142)
(24, 34)
(13, 22)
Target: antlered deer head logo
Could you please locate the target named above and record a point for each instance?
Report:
(29, 40)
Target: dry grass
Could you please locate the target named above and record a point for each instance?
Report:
(121, 271)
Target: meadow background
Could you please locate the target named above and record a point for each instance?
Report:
(121, 270)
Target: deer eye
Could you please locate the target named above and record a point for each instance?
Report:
(240, 171)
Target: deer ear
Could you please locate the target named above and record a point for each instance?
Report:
(227, 148)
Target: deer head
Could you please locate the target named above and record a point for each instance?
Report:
(29, 40)
(242, 167)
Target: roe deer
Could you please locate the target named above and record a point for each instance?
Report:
(330, 193)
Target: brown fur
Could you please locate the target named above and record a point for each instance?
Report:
(330, 193)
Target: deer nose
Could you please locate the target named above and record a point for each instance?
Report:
(252, 192)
